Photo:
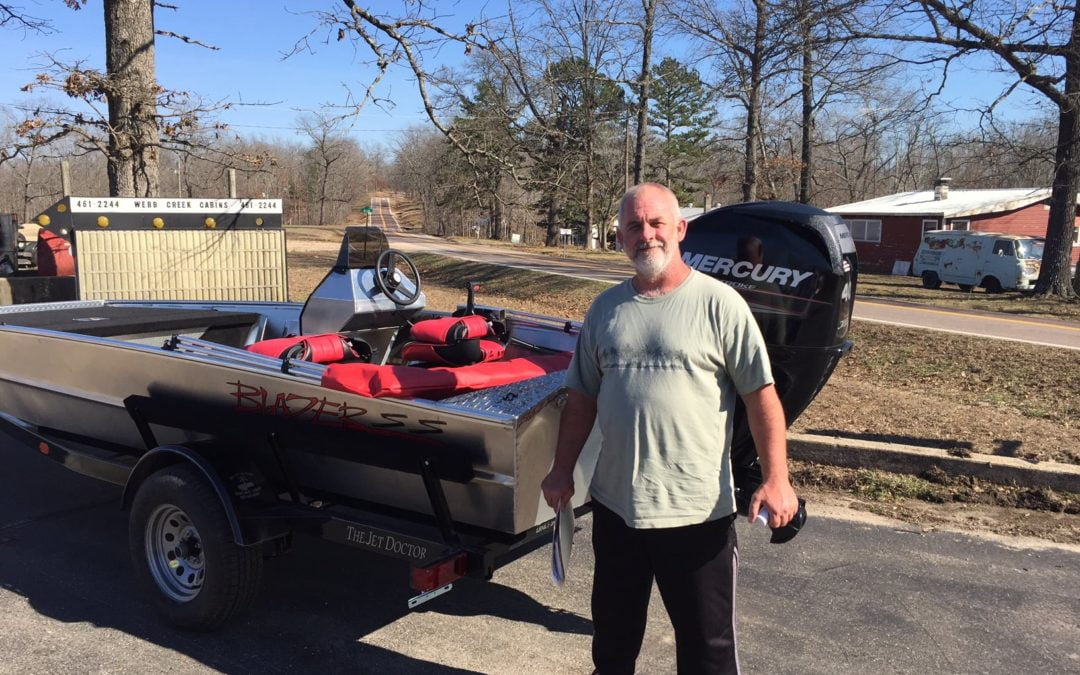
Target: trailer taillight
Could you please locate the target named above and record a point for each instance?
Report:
(441, 573)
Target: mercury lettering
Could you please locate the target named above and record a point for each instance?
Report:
(743, 269)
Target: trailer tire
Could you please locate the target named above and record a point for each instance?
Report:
(931, 280)
(183, 551)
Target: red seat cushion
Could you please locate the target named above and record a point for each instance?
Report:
(326, 348)
(275, 347)
(464, 353)
(434, 383)
(450, 329)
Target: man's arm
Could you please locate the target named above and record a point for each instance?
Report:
(766, 418)
(577, 421)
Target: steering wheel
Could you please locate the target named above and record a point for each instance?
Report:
(388, 279)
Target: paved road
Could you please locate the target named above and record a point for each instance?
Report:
(987, 324)
(1032, 330)
(847, 596)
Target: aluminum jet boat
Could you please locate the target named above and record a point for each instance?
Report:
(433, 429)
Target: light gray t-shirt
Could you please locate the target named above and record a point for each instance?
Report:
(665, 372)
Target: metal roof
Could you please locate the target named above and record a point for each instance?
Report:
(959, 203)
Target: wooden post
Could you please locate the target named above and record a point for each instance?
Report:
(232, 183)
(65, 178)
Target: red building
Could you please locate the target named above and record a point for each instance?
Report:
(889, 229)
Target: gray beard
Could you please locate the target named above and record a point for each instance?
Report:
(652, 265)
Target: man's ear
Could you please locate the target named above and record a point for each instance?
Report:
(680, 229)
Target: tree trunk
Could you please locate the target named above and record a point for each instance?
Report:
(1054, 274)
(753, 105)
(322, 195)
(590, 190)
(669, 131)
(643, 91)
(552, 238)
(806, 165)
(28, 182)
(132, 94)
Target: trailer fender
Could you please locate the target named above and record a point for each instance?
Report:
(166, 455)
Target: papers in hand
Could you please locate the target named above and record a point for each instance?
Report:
(562, 541)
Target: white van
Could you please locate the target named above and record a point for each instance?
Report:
(994, 261)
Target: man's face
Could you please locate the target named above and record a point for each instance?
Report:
(650, 230)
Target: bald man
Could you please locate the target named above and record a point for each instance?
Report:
(659, 361)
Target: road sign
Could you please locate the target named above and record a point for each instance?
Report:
(367, 210)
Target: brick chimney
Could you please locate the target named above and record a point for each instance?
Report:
(941, 188)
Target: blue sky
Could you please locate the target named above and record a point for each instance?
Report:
(250, 67)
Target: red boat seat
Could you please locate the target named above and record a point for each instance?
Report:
(450, 329)
(326, 348)
(464, 353)
(435, 383)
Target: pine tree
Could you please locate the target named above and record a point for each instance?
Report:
(682, 115)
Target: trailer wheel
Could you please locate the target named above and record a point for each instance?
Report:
(992, 285)
(931, 280)
(183, 551)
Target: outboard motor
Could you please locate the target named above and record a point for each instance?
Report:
(9, 245)
(797, 269)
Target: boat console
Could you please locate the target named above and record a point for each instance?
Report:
(371, 288)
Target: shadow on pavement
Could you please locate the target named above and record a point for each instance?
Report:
(63, 547)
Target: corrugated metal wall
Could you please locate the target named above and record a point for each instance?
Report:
(181, 265)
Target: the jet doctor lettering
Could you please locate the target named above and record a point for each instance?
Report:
(742, 269)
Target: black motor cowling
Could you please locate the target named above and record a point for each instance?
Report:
(796, 267)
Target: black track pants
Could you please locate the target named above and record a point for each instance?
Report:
(695, 570)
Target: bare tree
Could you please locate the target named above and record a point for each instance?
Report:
(332, 160)
(1037, 42)
(746, 45)
(648, 23)
(131, 89)
(13, 16)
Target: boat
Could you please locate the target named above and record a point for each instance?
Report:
(363, 398)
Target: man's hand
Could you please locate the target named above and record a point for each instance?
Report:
(765, 415)
(574, 427)
(779, 498)
(558, 487)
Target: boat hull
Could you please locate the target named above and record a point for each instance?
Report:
(79, 384)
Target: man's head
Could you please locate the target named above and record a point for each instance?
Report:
(650, 229)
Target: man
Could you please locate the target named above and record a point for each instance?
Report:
(659, 360)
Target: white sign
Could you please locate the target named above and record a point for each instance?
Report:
(565, 231)
(901, 267)
(172, 205)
